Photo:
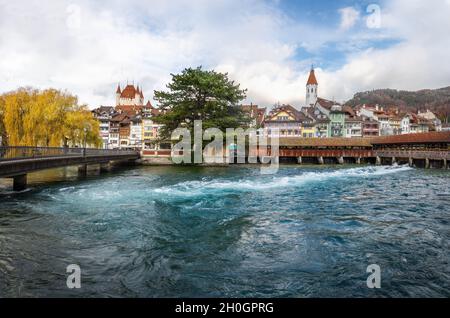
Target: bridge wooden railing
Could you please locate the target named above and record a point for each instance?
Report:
(415, 154)
(24, 152)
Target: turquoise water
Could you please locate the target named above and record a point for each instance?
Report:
(307, 231)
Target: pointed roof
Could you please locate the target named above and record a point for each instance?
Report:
(312, 78)
(118, 91)
(128, 92)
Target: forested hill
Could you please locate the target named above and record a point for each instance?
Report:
(436, 100)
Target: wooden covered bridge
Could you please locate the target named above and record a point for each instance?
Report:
(422, 150)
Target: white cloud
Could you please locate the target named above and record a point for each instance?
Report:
(349, 16)
(87, 47)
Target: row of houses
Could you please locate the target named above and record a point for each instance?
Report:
(129, 124)
(325, 118)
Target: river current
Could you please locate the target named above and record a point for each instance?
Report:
(307, 231)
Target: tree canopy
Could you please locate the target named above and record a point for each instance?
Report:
(197, 94)
(52, 118)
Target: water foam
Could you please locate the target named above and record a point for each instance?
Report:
(220, 186)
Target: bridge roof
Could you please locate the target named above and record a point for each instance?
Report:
(430, 137)
(325, 142)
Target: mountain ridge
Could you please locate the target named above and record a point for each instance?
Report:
(436, 100)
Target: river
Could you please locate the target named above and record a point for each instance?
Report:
(307, 231)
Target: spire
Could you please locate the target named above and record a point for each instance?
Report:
(312, 77)
(118, 91)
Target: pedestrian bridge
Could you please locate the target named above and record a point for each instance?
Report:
(17, 162)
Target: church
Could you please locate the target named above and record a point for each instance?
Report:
(311, 120)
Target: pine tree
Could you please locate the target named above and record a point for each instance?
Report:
(196, 94)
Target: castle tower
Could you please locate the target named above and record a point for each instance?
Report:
(137, 96)
(311, 89)
(118, 93)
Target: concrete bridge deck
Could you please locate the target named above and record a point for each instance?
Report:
(17, 162)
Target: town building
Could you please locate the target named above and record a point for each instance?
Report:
(104, 114)
(256, 114)
(337, 122)
(431, 117)
(283, 120)
(370, 127)
(135, 140)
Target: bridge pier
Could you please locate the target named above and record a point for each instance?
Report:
(427, 163)
(410, 162)
(82, 170)
(320, 160)
(105, 167)
(394, 161)
(340, 160)
(20, 182)
(299, 160)
(444, 164)
(378, 161)
(358, 160)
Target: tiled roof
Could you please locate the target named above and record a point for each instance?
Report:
(298, 115)
(130, 109)
(129, 92)
(325, 142)
(312, 78)
(325, 103)
(414, 138)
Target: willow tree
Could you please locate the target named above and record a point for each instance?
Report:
(3, 135)
(197, 94)
(80, 127)
(46, 118)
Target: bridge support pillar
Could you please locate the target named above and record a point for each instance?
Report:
(378, 161)
(358, 160)
(394, 161)
(444, 164)
(320, 160)
(427, 163)
(105, 167)
(340, 160)
(299, 160)
(20, 182)
(410, 162)
(82, 170)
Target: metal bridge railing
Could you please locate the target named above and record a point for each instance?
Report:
(23, 152)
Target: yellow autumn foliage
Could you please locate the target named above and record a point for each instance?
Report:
(50, 118)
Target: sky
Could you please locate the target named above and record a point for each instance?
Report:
(268, 46)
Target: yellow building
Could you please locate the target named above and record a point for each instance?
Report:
(308, 130)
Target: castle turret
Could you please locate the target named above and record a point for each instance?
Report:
(311, 89)
(118, 93)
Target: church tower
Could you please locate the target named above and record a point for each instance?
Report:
(311, 89)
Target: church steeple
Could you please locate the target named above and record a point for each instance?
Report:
(311, 88)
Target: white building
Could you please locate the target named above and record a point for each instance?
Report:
(353, 128)
(311, 89)
(430, 116)
(135, 139)
(405, 125)
(104, 114)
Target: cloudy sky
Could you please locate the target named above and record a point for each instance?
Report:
(88, 46)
